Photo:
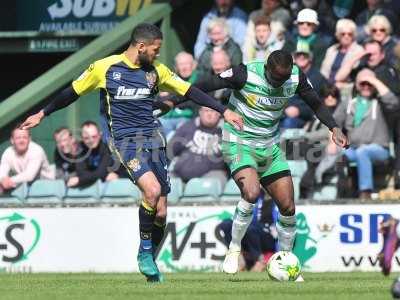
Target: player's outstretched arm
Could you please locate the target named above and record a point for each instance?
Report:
(203, 99)
(63, 99)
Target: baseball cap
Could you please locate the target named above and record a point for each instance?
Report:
(304, 48)
(307, 15)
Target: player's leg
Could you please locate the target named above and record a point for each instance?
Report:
(243, 168)
(276, 179)
(159, 223)
(390, 230)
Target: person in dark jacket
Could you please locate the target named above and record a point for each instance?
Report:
(95, 159)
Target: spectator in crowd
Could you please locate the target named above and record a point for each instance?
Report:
(95, 160)
(307, 23)
(314, 148)
(341, 52)
(236, 22)
(218, 32)
(278, 16)
(374, 7)
(196, 146)
(220, 62)
(327, 15)
(23, 162)
(297, 113)
(185, 67)
(258, 244)
(66, 153)
(265, 41)
(380, 30)
(363, 119)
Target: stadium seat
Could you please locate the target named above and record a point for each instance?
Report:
(292, 133)
(297, 167)
(120, 191)
(327, 193)
(231, 192)
(16, 197)
(176, 190)
(202, 190)
(45, 191)
(84, 195)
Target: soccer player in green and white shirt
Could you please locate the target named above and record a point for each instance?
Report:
(261, 93)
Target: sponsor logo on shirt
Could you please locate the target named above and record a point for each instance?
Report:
(271, 101)
(151, 78)
(116, 75)
(131, 94)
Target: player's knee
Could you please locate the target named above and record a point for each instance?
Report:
(152, 194)
(288, 209)
(251, 193)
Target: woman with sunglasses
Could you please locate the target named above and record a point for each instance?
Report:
(380, 30)
(341, 52)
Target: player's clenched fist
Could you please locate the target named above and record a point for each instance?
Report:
(234, 119)
(32, 121)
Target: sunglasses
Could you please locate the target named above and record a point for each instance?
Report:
(346, 33)
(375, 30)
(365, 83)
(309, 24)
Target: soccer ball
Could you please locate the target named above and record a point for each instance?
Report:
(283, 266)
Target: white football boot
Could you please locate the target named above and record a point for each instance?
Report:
(231, 262)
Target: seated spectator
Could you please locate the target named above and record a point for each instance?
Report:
(236, 20)
(316, 138)
(196, 146)
(327, 12)
(307, 23)
(220, 62)
(278, 16)
(218, 32)
(380, 30)
(265, 41)
(23, 162)
(297, 113)
(66, 153)
(185, 67)
(95, 159)
(341, 52)
(374, 7)
(258, 244)
(364, 121)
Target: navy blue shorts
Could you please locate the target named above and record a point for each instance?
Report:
(139, 161)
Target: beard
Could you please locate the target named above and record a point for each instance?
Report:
(144, 60)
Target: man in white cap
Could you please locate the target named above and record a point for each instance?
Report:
(306, 33)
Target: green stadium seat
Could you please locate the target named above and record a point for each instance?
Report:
(176, 190)
(16, 196)
(297, 167)
(202, 190)
(327, 193)
(231, 192)
(120, 191)
(45, 191)
(83, 195)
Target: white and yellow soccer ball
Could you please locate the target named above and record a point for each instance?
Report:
(283, 266)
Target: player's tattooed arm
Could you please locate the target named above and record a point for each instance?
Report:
(63, 99)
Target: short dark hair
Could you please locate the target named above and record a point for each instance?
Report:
(90, 123)
(371, 41)
(146, 33)
(330, 90)
(62, 128)
(262, 20)
(280, 59)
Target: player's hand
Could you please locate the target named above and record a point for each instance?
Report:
(73, 181)
(32, 121)
(234, 119)
(339, 138)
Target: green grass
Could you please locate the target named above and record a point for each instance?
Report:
(192, 286)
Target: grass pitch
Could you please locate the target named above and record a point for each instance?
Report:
(194, 286)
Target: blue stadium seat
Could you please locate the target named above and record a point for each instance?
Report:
(202, 190)
(176, 190)
(85, 195)
(120, 191)
(297, 167)
(327, 193)
(16, 197)
(231, 192)
(45, 191)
